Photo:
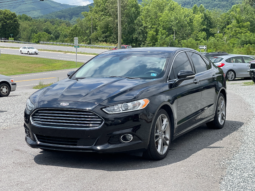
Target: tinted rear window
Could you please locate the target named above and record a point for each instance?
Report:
(216, 59)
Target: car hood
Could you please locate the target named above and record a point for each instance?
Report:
(4, 77)
(88, 93)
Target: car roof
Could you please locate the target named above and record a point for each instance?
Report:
(232, 55)
(151, 49)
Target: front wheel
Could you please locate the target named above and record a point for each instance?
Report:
(160, 137)
(220, 114)
(21, 52)
(4, 90)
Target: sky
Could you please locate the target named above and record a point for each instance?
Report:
(75, 2)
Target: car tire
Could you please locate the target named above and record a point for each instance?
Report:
(220, 114)
(28, 53)
(231, 75)
(160, 137)
(253, 79)
(5, 90)
(21, 52)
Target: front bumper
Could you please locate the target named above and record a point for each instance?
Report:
(13, 86)
(102, 140)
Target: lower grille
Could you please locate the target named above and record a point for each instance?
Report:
(57, 140)
(66, 118)
(252, 66)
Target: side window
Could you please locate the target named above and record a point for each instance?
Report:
(24, 48)
(198, 62)
(235, 60)
(181, 62)
(247, 59)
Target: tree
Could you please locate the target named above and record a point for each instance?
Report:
(9, 24)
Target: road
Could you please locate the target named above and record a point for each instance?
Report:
(196, 161)
(51, 55)
(52, 47)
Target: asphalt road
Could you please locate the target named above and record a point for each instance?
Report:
(28, 81)
(51, 55)
(52, 47)
(196, 161)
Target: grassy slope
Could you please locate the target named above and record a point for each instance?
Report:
(13, 65)
(34, 8)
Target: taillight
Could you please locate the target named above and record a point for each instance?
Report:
(221, 65)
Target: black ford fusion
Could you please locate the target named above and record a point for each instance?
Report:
(124, 100)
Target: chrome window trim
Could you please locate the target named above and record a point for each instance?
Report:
(73, 128)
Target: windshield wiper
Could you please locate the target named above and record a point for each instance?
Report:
(80, 78)
(123, 77)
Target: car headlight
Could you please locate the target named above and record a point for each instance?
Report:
(126, 107)
(29, 107)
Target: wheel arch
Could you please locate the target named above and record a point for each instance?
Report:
(6, 82)
(224, 92)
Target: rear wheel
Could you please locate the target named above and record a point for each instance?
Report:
(4, 90)
(21, 52)
(220, 114)
(28, 52)
(160, 137)
(231, 75)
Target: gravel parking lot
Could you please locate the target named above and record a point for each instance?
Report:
(203, 159)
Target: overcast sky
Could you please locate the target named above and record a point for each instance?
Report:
(75, 2)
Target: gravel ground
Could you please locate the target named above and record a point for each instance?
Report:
(11, 108)
(240, 174)
(203, 159)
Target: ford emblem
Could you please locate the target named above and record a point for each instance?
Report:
(64, 104)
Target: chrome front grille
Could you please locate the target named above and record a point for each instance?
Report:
(252, 66)
(66, 118)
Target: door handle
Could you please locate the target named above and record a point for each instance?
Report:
(195, 81)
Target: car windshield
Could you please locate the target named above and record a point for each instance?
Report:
(130, 65)
(30, 47)
(216, 59)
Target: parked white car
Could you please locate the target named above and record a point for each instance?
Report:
(28, 50)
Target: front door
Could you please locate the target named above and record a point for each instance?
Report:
(240, 67)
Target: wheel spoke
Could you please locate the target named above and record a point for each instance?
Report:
(159, 145)
(165, 142)
(162, 147)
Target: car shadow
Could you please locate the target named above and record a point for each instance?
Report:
(180, 149)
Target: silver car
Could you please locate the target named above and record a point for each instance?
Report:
(7, 85)
(234, 66)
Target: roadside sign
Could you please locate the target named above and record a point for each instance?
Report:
(76, 41)
(76, 45)
(202, 47)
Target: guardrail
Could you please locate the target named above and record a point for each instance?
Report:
(72, 44)
(16, 41)
(57, 43)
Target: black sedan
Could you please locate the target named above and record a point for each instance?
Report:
(124, 100)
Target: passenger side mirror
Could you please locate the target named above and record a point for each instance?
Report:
(186, 75)
(69, 74)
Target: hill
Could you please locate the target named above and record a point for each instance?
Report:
(33, 8)
(223, 5)
(70, 14)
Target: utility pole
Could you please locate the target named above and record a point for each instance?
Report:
(119, 24)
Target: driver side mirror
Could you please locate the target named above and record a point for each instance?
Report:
(69, 74)
(186, 75)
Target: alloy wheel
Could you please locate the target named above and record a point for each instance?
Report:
(221, 111)
(231, 75)
(4, 90)
(162, 134)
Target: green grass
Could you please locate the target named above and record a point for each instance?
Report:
(248, 83)
(13, 65)
(41, 85)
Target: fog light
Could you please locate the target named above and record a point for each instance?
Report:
(126, 138)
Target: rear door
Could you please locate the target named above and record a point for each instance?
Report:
(207, 83)
(187, 95)
(239, 66)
